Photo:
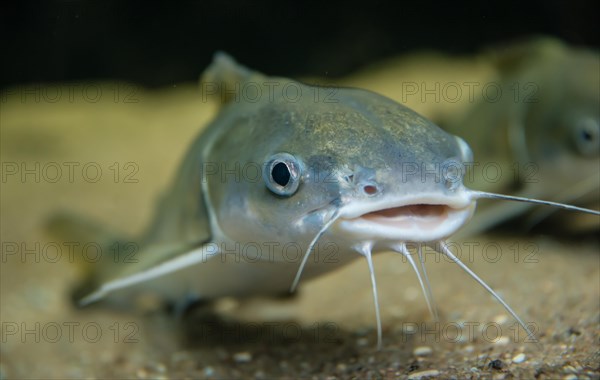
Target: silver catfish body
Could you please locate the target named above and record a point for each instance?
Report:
(281, 161)
(293, 180)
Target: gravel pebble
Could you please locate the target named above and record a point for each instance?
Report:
(242, 357)
(141, 373)
(208, 371)
(362, 342)
(502, 341)
(422, 351)
(570, 377)
(160, 368)
(180, 356)
(469, 348)
(500, 319)
(496, 364)
(520, 358)
(424, 374)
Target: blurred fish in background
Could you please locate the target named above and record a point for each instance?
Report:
(540, 138)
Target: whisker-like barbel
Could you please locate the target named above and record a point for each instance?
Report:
(314, 241)
(424, 270)
(575, 192)
(365, 250)
(425, 286)
(482, 194)
(446, 251)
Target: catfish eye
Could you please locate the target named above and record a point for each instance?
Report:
(587, 137)
(281, 174)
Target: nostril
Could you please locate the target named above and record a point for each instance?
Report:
(452, 172)
(370, 189)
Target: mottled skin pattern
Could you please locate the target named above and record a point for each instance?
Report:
(362, 134)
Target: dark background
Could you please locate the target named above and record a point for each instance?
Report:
(163, 43)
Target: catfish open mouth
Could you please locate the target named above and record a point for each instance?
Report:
(398, 214)
(410, 222)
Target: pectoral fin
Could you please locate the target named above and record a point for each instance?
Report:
(181, 261)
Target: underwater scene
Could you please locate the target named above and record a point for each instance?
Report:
(231, 190)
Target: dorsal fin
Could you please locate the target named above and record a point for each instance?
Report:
(224, 79)
(512, 58)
